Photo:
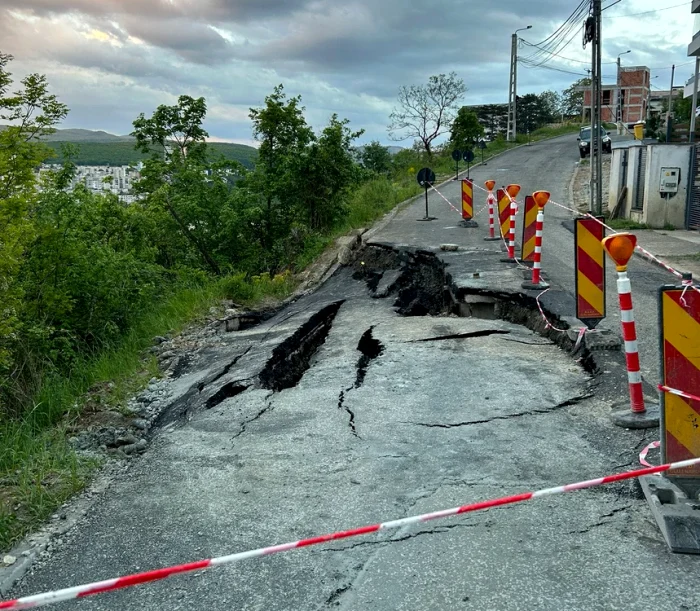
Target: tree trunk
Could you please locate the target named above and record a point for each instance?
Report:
(192, 238)
(268, 237)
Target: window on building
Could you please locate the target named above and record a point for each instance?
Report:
(606, 97)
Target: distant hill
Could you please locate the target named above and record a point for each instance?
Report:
(82, 135)
(392, 149)
(123, 153)
(102, 148)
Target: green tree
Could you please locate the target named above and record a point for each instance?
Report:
(174, 178)
(466, 129)
(328, 171)
(376, 158)
(552, 103)
(425, 112)
(32, 112)
(283, 134)
(682, 109)
(572, 98)
(534, 111)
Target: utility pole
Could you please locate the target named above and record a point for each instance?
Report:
(512, 88)
(618, 114)
(596, 123)
(691, 135)
(512, 131)
(670, 103)
(619, 111)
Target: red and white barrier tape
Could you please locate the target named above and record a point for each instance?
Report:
(680, 393)
(645, 451)
(548, 325)
(449, 203)
(109, 585)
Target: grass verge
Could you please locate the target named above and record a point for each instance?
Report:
(626, 224)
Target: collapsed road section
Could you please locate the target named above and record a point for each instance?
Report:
(393, 390)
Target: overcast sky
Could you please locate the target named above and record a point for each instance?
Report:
(109, 60)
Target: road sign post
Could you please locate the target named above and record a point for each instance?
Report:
(468, 157)
(511, 193)
(491, 203)
(590, 271)
(468, 204)
(620, 247)
(482, 146)
(529, 231)
(673, 500)
(426, 179)
(541, 198)
(457, 155)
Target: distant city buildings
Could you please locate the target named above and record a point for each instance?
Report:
(104, 179)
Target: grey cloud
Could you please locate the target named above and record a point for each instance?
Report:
(350, 57)
(193, 42)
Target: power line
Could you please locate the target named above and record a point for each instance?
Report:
(561, 37)
(613, 4)
(563, 70)
(569, 59)
(665, 8)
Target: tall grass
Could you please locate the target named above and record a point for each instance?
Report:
(38, 468)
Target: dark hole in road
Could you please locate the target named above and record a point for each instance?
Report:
(292, 358)
(424, 288)
(468, 335)
(370, 348)
(227, 391)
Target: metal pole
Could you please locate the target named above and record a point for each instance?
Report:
(515, 86)
(670, 103)
(691, 135)
(591, 184)
(599, 123)
(511, 93)
(618, 110)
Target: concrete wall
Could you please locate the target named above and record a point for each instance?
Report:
(632, 165)
(616, 173)
(657, 210)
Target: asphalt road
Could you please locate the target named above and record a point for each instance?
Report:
(381, 425)
(549, 165)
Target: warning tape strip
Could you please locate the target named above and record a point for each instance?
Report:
(449, 203)
(109, 585)
(680, 393)
(645, 451)
(548, 324)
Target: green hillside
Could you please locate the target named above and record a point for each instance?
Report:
(123, 153)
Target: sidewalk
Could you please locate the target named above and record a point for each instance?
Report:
(680, 248)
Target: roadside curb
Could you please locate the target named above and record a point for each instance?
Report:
(643, 257)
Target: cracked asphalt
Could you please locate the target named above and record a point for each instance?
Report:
(337, 413)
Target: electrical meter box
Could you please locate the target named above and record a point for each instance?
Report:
(670, 178)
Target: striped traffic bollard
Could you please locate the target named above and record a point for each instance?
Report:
(468, 204)
(541, 198)
(491, 202)
(512, 191)
(620, 247)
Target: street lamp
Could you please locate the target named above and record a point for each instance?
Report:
(513, 86)
(619, 113)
